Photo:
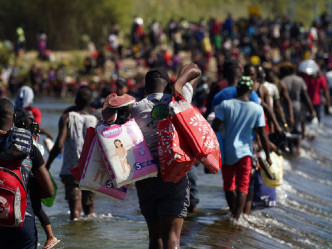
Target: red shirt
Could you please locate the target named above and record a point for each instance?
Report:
(314, 86)
(36, 113)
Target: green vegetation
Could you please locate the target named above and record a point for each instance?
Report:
(163, 10)
(66, 22)
(6, 55)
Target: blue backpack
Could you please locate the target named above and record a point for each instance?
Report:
(18, 143)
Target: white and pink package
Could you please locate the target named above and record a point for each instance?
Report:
(126, 153)
(96, 177)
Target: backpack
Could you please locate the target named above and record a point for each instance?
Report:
(18, 143)
(13, 196)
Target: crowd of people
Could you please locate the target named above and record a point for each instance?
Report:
(208, 43)
(257, 97)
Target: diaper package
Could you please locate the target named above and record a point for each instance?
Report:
(97, 178)
(125, 153)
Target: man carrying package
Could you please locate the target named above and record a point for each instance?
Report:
(72, 128)
(240, 117)
(163, 205)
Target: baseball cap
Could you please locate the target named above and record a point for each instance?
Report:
(245, 81)
(114, 102)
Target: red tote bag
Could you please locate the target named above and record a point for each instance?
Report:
(89, 136)
(197, 132)
(174, 155)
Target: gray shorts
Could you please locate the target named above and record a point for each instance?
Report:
(159, 199)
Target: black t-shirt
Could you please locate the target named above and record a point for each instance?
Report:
(36, 157)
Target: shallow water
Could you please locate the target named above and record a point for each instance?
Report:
(302, 218)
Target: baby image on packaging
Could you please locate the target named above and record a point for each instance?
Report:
(121, 153)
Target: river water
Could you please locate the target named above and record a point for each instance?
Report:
(301, 219)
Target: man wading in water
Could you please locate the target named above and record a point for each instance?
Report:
(163, 205)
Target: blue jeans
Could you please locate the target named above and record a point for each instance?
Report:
(192, 176)
(25, 237)
(318, 109)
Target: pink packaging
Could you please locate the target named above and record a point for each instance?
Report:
(125, 153)
(96, 177)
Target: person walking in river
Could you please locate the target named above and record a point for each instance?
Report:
(300, 99)
(240, 117)
(163, 204)
(72, 127)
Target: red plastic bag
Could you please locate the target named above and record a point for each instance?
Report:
(174, 155)
(197, 132)
(89, 136)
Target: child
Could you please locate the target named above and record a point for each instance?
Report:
(31, 125)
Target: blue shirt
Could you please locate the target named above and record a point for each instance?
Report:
(230, 93)
(240, 119)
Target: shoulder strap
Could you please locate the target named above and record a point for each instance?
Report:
(258, 93)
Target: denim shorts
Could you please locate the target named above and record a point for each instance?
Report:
(159, 199)
(25, 237)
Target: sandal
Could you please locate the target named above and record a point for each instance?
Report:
(52, 244)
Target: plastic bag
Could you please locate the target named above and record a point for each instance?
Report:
(174, 155)
(48, 202)
(276, 169)
(197, 132)
(89, 136)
